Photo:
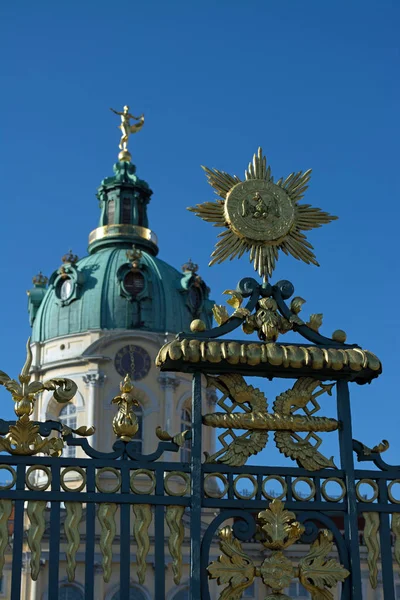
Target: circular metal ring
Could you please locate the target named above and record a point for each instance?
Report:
(312, 488)
(391, 497)
(184, 476)
(69, 470)
(32, 486)
(329, 498)
(8, 486)
(253, 481)
(149, 474)
(99, 485)
(219, 494)
(281, 481)
(374, 486)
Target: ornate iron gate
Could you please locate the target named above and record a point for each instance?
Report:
(104, 486)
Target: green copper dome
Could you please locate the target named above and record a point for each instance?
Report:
(121, 284)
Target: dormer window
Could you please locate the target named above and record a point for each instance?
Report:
(134, 283)
(66, 289)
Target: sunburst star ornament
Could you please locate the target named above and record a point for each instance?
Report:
(261, 217)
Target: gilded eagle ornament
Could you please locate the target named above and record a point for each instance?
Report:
(261, 217)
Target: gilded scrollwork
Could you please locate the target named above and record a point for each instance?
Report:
(71, 527)
(173, 517)
(35, 511)
(23, 437)
(106, 516)
(257, 421)
(5, 513)
(371, 538)
(179, 438)
(233, 567)
(396, 536)
(143, 517)
(266, 321)
(318, 573)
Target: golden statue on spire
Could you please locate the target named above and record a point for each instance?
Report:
(127, 129)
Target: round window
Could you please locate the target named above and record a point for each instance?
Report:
(66, 289)
(134, 283)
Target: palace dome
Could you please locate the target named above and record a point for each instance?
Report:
(121, 284)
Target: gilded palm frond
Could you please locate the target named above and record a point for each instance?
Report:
(221, 182)
(213, 212)
(239, 391)
(243, 447)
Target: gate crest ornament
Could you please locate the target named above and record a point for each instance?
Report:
(23, 437)
(317, 573)
(257, 421)
(261, 217)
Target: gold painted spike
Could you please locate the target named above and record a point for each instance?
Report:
(221, 182)
(173, 517)
(106, 516)
(213, 212)
(396, 533)
(5, 512)
(35, 513)
(143, 518)
(233, 567)
(257, 169)
(371, 538)
(71, 528)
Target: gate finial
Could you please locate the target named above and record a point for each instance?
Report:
(125, 422)
(260, 216)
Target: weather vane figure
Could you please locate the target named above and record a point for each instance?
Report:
(127, 129)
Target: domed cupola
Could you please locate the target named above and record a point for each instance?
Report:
(121, 284)
(123, 212)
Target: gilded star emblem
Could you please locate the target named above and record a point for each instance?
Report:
(261, 217)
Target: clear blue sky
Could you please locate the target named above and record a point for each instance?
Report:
(315, 83)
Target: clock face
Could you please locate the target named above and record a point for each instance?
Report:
(133, 360)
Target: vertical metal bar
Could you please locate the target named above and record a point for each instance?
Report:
(289, 491)
(159, 550)
(18, 536)
(125, 540)
(196, 489)
(386, 545)
(90, 535)
(55, 524)
(352, 586)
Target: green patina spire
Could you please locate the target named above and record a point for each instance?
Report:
(123, 217)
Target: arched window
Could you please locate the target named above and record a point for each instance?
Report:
(126, 210)
(67, 417)
(186, 423)
(135, 593)
(182, 594)
(111, 212)
(70, 592)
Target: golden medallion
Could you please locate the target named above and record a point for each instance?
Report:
(259, 210)
(260, 216)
